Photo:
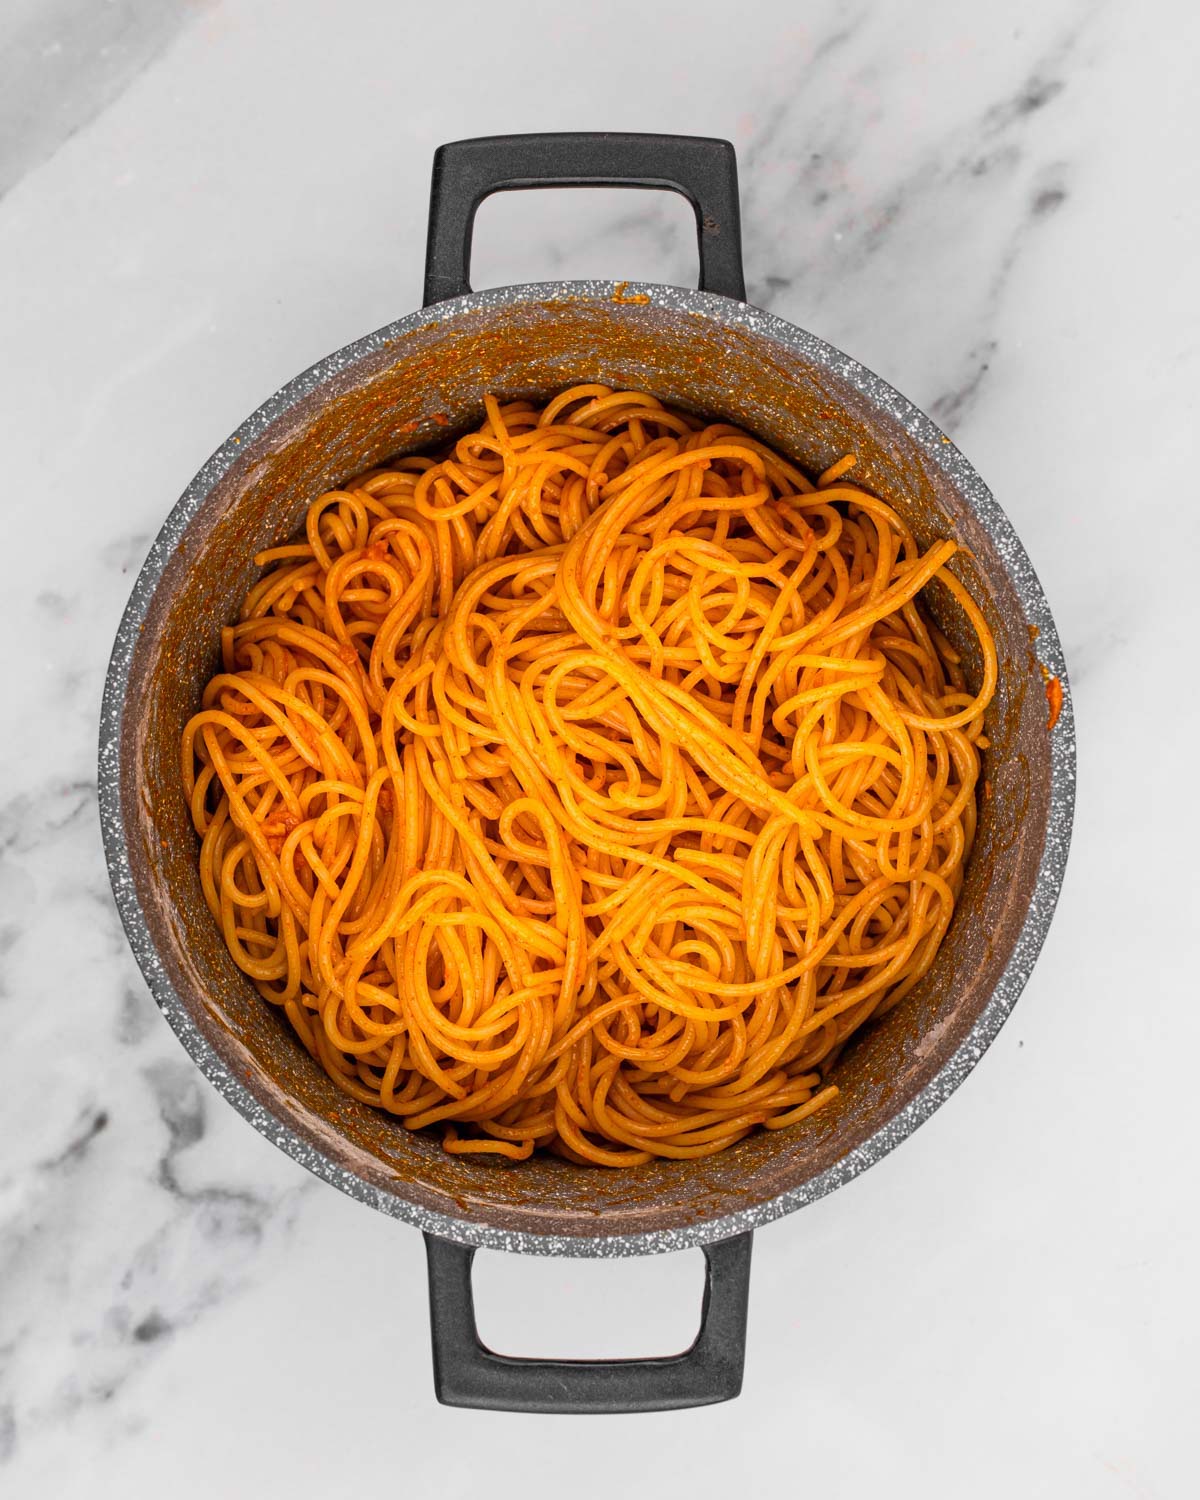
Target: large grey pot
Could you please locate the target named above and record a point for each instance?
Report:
(402, 389)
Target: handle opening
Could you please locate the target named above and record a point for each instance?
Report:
(578, 1307)
(566, 234)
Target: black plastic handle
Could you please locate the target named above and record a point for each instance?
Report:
(466, 1373)
(466, 172)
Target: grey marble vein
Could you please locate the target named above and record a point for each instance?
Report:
(65, 61)
(144, 1125)
(993, 158)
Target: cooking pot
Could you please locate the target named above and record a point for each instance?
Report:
(408, 387)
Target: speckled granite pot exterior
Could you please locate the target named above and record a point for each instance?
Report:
(400, 390)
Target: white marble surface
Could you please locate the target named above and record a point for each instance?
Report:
(993, 206)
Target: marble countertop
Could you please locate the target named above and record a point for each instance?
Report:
(994, 207)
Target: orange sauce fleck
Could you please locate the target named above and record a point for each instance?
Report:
(1054, 697)
(619, 294)
(276, 830)
(987, 790)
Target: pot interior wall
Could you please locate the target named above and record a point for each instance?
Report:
(405, 394)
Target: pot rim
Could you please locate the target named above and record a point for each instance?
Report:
(938, 449)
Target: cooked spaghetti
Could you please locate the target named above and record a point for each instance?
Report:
(586, 786)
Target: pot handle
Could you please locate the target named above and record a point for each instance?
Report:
(466, 1373)
(704, 170)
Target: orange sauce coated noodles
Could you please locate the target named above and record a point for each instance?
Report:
(587, 786)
